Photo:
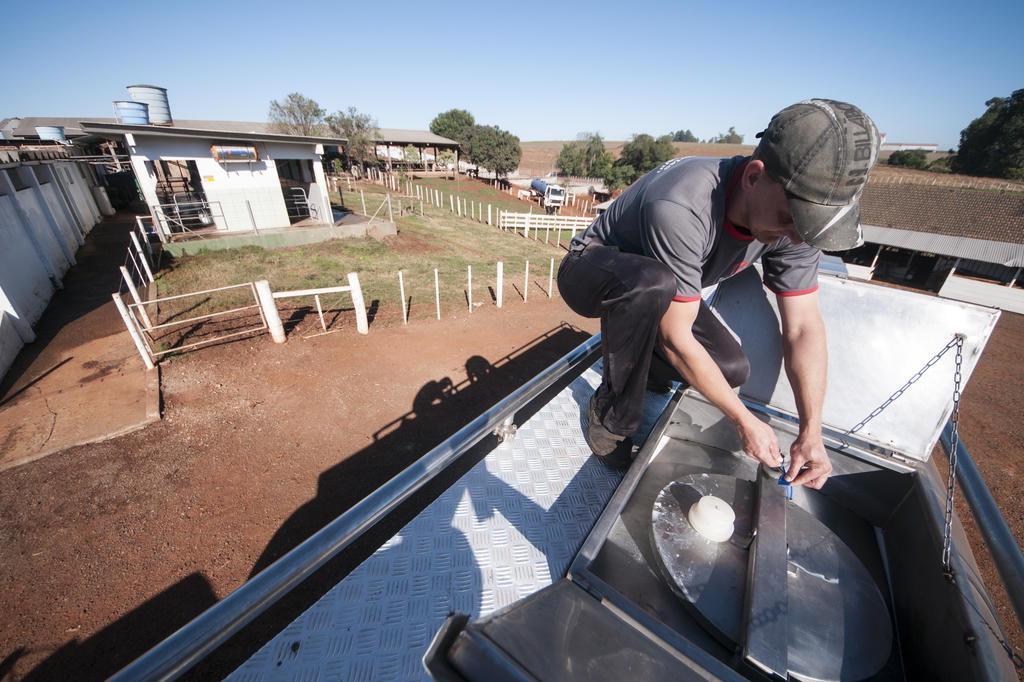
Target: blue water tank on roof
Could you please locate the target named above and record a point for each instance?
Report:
(131, 112)
(156, 98)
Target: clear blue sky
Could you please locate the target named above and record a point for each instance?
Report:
(542, 70)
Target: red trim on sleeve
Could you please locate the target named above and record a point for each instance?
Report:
(685, 299)
(792, 293)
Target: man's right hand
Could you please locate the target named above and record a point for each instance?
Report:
(759, 440)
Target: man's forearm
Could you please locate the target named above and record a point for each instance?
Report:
(806, 356)
(694, 364)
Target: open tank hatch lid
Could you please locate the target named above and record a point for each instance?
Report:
(878, 338)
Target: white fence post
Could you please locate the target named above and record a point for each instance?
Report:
(357, 302)
(469, 286)
(142, 257)
(135, 296)
(526, 282)
(362, 199)
(437, 294)
(133, 331)
(551, 277)
(501, 283)
(401, 290)
(391, 217)
(265, 297)
(489, 215)
(451, 203)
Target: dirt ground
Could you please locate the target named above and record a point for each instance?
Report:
(110, 547)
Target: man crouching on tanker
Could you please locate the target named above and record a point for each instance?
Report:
(693, 222)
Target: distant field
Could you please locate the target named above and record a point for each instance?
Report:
(539, 157)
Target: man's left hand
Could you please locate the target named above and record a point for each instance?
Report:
(810, 465)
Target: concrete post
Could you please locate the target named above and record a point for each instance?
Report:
(526, 282)
(132, 331)
(266, 300)
(357, 302)
(52, 269)
(469, 286)
(362, 200)
(437, 294)
(391, 217)
(551, 277)
(501, 284)
(401, 291)
(135, 296)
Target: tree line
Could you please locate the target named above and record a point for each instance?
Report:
(588, 157)
(488, 146)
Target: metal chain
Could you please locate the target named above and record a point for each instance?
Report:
(954, 441)
(957, 340)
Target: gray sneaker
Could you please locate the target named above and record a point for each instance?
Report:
(611, 448)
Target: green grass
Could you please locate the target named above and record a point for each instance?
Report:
(438, 239)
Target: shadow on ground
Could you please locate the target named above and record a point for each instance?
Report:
(440, 408)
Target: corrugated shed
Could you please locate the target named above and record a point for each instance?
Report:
(985, 250)
(953, 211)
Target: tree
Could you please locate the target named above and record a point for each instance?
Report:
(455, 124)
(586, 158)
(360, 130)
(911, 158)
(641, 154)
(570, 159)
(620, 175)
(993, 143)
(683, 136)
(731, 137)
(296, 115)
(495, 149)
(645, 153)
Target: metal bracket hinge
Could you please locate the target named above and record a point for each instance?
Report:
(506, 430)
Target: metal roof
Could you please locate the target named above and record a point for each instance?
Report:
(1002, 253)
(100, 128)
(959, 212)
(401, 136)
(26, 127)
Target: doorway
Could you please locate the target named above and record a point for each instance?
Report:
(296, 178)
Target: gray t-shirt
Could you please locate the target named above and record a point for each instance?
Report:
(676, 214)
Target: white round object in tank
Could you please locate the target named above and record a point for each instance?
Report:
(713, 518)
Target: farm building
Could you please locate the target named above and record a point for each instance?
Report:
(962, 243)
(199, 178)
(909, 146)
(49, 202)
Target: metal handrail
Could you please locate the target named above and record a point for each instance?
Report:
(998, 537)
(179, 652)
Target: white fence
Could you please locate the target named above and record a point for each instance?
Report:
(45, 212)
(537, 222)
(154, 339)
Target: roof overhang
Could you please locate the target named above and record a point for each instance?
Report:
(1000, 253)
(108, 129)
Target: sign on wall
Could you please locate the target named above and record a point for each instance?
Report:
(224, 153)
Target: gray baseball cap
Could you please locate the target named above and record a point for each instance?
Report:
(821, 151)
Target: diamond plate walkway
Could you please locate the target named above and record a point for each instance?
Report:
(509, 527)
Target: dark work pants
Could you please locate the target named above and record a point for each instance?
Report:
(631, 293)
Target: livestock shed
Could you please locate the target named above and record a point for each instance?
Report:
(202, 179)
(962, 243)
(48, 204)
